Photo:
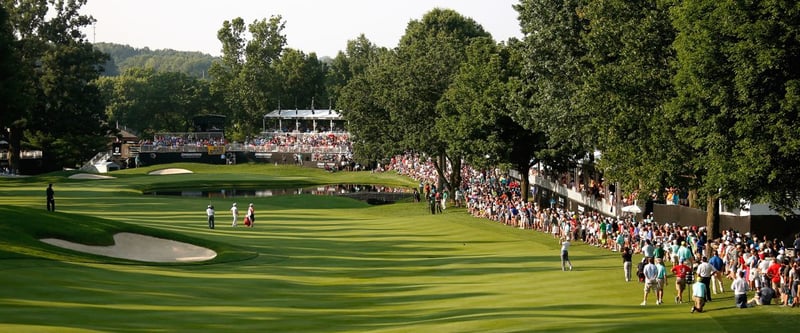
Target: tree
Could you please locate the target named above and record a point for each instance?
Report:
(151, 102)
(58, 109)
(552, 75)
(477, 118)
(629, 51)
(302, 79)
(10, 88)
(244, 77)
(362, 68)
(736, 105)
(124, 57)
(353, 61)
(418, 74)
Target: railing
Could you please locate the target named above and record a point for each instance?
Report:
(302, 135)
(271, 148)
(577, 196)
(238, 147)
(149, 148)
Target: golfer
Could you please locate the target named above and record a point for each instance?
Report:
(251, 214)
(235, 213)
(51, 201)
(565, 254)
(210, 213)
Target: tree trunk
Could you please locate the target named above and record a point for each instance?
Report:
(439, 163)
(692, 198)
(524, 185)
(455, 176)
(14, 142)
(712, 220)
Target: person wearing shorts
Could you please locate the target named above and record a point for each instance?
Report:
(661, 281)
(681, 271)
(650, 272)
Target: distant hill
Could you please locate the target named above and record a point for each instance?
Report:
(124, 56)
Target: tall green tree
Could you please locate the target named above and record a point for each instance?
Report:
(150, 102)
(629, 50)
(11, 88)
(302, 80)
(423, 67)
(736, 106)
(362, 68)
(244, 78)
(59, 110)
(552, 77)
(477, 119)
(353, 61)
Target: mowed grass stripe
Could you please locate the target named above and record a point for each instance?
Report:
(323, 264)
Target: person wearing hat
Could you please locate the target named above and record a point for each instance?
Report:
(235, 213)
(699, 292)
(210, 213)
(251, 214)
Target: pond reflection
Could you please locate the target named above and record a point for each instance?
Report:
(371, 193)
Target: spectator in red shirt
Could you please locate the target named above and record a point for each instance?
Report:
(774, 274)
(680, 270)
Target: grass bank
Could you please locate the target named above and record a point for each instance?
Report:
(312, 264)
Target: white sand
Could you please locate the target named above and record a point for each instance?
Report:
(142, 248)
(171, 171)
(89, 176)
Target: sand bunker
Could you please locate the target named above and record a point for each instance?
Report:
(171, 171)
(141, 248)
(89, 176)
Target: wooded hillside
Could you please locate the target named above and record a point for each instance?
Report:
(123, 57)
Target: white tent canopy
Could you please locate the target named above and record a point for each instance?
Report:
(291, 118)
(632, 209)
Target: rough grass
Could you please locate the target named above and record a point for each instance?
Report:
(312, 264)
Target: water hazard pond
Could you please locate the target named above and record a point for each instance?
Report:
(372, 194)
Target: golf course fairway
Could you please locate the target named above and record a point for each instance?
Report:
(311, 264)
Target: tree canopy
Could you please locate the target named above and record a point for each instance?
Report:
(58, 109)
(409, 82)
(736, 87)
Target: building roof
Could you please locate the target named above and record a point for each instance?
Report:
(125, 134)
(305, 114)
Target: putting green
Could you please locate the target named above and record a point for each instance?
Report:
(322, 264)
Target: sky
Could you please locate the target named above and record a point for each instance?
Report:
(319, 26)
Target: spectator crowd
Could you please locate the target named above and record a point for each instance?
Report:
(767, 267)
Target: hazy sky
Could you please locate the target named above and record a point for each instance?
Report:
(317, 26)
